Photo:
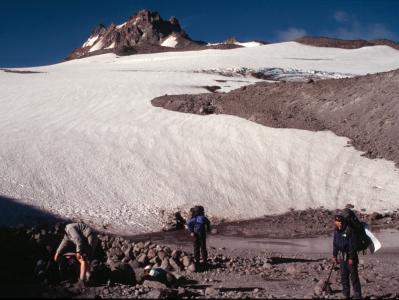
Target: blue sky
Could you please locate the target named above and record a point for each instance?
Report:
(39, 32)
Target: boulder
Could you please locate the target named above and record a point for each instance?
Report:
(154, 284)
(161, 254)
(138, 247)
(174, 265)
(165, 264)
(191, 268)
(211, 292)
(151, 254)
(142, 259)
(123, 273)
(186, 261)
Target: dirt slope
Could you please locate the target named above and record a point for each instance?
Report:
(364, 108)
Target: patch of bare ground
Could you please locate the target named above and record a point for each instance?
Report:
(346, 44)
(20, 71)
(364, 108)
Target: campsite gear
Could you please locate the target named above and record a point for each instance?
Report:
(327, 284)
(361, 239)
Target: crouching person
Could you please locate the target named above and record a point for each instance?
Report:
(82, 240)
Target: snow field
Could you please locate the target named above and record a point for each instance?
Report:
(84, 141)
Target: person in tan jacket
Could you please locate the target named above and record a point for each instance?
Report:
(82, 240)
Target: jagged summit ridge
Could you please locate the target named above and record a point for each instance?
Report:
(143, 32)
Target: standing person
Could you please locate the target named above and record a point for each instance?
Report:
(344, 254)
(198, 226)
(82, 240)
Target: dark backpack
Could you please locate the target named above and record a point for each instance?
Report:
(361, 239)
(199, 225)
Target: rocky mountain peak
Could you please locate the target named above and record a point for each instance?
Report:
(143, 32)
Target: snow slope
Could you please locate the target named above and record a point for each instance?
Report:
(83, 140)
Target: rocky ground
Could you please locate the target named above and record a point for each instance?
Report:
(363, 108)
(238, 268)
(346, 44)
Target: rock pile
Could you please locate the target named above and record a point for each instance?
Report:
(119, 262)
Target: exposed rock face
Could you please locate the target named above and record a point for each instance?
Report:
(346, 44)
(144, 32)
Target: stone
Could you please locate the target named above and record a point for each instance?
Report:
(376, 216)
(142, 259)
(293, 269)
(155, 260)
(123, 273)
(138, 247)
(158, 294)
(168, 251)
(165, 264)
(134, 264)
(161, 254)
(181, 291)
(151, 254)
(174, 264)
(211, 292)
(318, 289)
(214, 231)
(191, 268)
(186, 261)
(176, 254)
(154, 284)
(267, 266)
(116, 252)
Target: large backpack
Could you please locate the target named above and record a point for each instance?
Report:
(199, 225)
(361, 239)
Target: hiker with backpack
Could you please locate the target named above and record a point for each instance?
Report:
(198, 226)
(347, 242)
(81, 241)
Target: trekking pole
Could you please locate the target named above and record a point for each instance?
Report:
(326, 283)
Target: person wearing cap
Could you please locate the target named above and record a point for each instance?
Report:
(345, 255)
(81, 240)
